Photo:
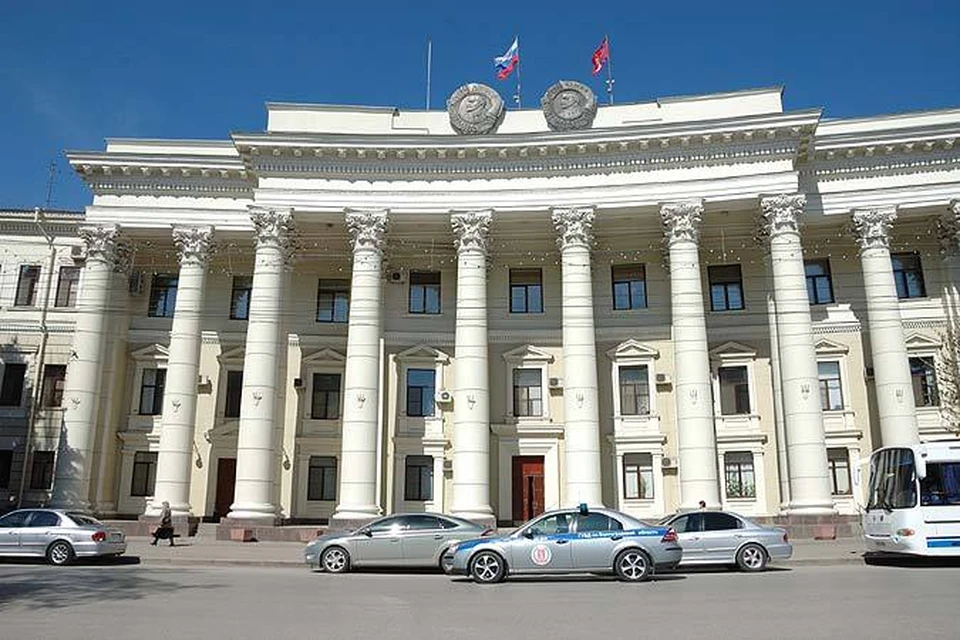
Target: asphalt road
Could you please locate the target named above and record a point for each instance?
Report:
(141, 603)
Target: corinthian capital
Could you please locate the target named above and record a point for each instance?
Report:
(368, 229)
(949, 228)
(100, 242)
(122, 257)
(194, 244)
(871, 227)
(575, 226)
(782, 212)
(681, 220)
(273, 226)
(472, 229)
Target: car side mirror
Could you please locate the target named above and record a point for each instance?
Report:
(366, 532)
(529, 533)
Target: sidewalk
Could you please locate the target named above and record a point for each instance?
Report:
(205, 550)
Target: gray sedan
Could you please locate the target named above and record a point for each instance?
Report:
(721, 537)
(59, 536)
(584, 540)
(402, 540)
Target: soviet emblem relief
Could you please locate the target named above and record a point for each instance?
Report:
(475, 109)
(569, 105)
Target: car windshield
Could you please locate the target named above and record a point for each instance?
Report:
(84, 520)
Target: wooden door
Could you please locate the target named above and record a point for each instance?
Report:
(226, 479)
(527, 487)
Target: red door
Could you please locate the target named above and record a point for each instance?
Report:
(527, 487)
(226, 479)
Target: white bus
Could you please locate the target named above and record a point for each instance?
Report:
(914, 502)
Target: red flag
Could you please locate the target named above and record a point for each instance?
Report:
(601, 55)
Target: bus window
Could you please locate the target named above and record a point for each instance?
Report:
(893, 483)
(941, 487)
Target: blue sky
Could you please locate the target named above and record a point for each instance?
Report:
(73, 73)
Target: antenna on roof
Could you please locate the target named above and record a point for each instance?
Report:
(50, 180)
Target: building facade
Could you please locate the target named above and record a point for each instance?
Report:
(368, 310)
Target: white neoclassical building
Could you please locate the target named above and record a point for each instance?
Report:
(364, 310)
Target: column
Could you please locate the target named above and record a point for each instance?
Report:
(697, 447)
(949, 230)
(81, 395)
(581, 430)
(358, 458)
(891, 369)
(254, 495)
(799, 379)
(175, 461)
(471, 407)
(948, 370)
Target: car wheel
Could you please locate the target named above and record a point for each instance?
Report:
(633, 565)
(752, 557)
(335, 560)
(59, 553)
(487, 567)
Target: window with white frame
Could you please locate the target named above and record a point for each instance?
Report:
(27, 285)
(163, 295)
(739, 475)
(325, 403)
(734, 390)
(526, 291)
(923, 372)
(629, 286)
(151, 391)
(418, 478)
(240, 297)
(726, 287)
(333, 301)
(637, 476)
(819, 281)
(831, 391)
(424, 292)
(54, 377)
(144, 474)
(527, 392)
(421, 390)
(322, 478)
(908, 275)
(67, 287)
(634, 390)
(838, 462)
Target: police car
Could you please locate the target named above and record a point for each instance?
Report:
(583, 540)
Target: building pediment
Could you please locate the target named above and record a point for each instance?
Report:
(632, 349)
(825, 347)
(233, 355)
(528, 353)
(732, 351)
(423, 352)
(920, 342)
(325, 356)
(151, 352)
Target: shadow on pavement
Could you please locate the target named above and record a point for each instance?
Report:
(725, 569)
(519, 580)
(893, 560)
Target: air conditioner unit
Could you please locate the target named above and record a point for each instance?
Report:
(444, 396)
(663, 378)
(668, 463)
(135, 283)
(396, 277)
(556, 383)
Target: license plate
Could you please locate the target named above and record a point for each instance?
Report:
(116, 537)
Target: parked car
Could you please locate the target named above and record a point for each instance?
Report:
(725, 538)
(400, 540)
(57, 535)
(584, 540)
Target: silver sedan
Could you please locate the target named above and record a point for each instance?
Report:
(584, 540)
(724, 538)
(402, 540)
(59, 536)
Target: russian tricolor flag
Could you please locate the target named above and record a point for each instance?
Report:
(505, 64)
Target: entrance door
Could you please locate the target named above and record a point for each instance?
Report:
(527, 487)
(226, 479)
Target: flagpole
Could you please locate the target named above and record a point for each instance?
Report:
(519, 63)
(609, 71)
(429, 60)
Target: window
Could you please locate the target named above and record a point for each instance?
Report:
(6, 465)
(27, 285)
(923, 371)
(240, 298)
(552, 525)
(418, 484)
(420, 392)
(231, 408)
(54, 376)
(333, 300)
(597, 522)
(422, 523)
(831, 393)
(726, 288)
(941, 485)
(892, 480)
(41, 473)
(734, 391)
(151, 392)
(11, 390)
(629, 286)
(716, 521)
(687, 523)
(526, 291)
(322, 478)
(144, 474)
(634, 391)
(424, 292)
(527, 392)
(44, 519)
(838, 461)
(738, 467)
(67, 287)
(15, 519)
(393, 524)
(819, 282)
(637, 476)
(908, 274)
(325, 403)
(163, 296)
